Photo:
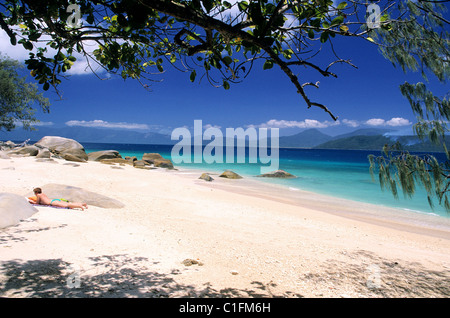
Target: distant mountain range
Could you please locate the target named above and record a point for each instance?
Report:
(361, 139)
(89, 134)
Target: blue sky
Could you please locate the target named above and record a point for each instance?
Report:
(365, 97)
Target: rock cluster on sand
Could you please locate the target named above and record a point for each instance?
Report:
(48, 146)
(13, 209)
(71, 150)
(277, 174)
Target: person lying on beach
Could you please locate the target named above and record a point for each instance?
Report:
(43, 199)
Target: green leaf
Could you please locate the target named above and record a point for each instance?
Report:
(226, 4)
(342, 5)
(311, 34)
(27, 45)
(173, 58)
(338, 20)
(90, 18)
(227, 60)
(288, 53)
(13, 39)
(46, 86)
(243, 5)
(324, 37)
(344, 28)
(268, 65)
(226, 85)
(193, 75)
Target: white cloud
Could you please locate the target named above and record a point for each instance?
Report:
(393, 122)
(104, 124)
(350, 123)
(398, 121)
(307, 123)
(312, 123)
(376, 122)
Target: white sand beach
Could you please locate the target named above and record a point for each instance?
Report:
(244, 239)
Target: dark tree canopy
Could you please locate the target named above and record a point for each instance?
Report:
(17, 97)
(222, 40)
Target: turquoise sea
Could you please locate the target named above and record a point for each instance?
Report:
(340, 173)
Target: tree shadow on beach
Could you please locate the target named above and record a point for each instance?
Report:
(373, 276)
(14, 233)
(118, 276)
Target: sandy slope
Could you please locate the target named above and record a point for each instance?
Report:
(248, 240)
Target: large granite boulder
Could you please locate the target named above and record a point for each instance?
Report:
(63, 146)
(58, 144)
(104, 154)
(230, 175)
(75, 194)
(13, 209)
(277, 174)
(25, 151)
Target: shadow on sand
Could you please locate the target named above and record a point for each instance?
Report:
(120, 276)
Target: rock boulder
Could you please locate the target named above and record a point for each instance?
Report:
(150, 157)
(13, 209)
(105, 154)
(163, 163)
(277, 174)
(61, 146)
(206, 177)
(25, 151)
(44, 153)
(230, 175)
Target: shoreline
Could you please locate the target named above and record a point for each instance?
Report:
(250, 242)
(407, 208)
(397, 218)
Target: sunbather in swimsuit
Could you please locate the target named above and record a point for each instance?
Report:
(43, 199)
